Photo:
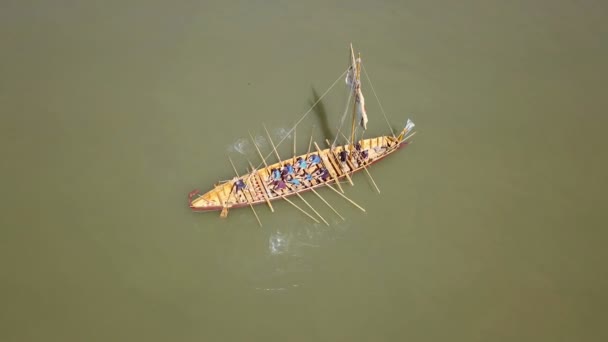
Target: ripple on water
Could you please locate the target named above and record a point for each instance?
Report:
(283, 133)
(241, 146)
(278, 243)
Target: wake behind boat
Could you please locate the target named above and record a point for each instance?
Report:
(317, 168)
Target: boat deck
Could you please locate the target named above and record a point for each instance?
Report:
(261, 188)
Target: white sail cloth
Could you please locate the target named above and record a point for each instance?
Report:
(361, 113)
(353, 82)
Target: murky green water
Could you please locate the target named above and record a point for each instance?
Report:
(489, 227)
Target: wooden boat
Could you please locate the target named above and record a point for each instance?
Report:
(318, 168)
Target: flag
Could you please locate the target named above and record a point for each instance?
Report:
(409, 125)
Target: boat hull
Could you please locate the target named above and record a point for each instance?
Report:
(258, 190)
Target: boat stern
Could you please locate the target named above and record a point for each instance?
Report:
(198, 202)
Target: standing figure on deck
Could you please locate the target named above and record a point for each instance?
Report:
(239, 185)
(343, 156)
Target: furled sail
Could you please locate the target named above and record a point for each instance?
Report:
(353, 75)
(361, 114)
(350, 77)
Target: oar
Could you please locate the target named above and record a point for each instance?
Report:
(324, 201)
(334, 176)
(367, 171)
(259, 178)
(344, 196)
(295, 205)
(372, 179)
(290, 202)
(252, 194)
(296, 192)
(310, 206)
(294, 146)
(310, 142)
(258, 149)
(225, 208)
(293, 163)
(273, 147)
(339, 162)
(409, 136)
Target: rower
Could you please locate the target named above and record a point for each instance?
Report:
(307, 176)
(343, 156)
(324, 173)
(239, 184)
(301, 163)
(276, 175)
(289, 169)
(280, 184)
(315, 160)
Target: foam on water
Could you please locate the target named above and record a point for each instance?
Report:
(282, 133)
(261, 141)
(278, 243)
(241, 146)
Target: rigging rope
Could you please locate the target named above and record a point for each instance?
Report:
(303, 117)
(377, 99)
(350, 95)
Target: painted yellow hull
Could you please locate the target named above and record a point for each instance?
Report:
(260, 190)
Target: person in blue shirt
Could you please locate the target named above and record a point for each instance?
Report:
(315, 160)
(276, 175)
(301, 163)
(239, 185)
(289, 169)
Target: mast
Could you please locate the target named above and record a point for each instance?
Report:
(354, 86)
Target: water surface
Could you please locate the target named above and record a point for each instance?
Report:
(490, 226)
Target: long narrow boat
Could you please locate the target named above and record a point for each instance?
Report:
(308, 171)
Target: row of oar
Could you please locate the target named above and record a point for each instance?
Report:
(253, 172)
